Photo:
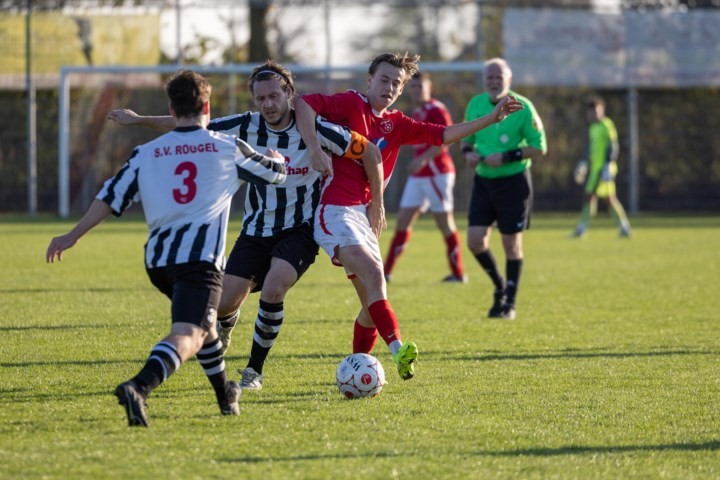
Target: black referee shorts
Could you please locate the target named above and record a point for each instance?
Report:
(194, 289)
(505, 200)
(251, 256)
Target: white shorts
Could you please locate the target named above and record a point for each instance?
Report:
(339, 226)
(435, 192)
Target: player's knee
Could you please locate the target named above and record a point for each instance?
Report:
(228, 305)
(274, 293)
(477, 244)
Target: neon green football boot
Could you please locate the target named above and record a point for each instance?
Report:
(405, 359)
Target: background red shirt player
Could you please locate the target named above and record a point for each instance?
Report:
(429, 186)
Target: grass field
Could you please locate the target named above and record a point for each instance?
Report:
(611, 369)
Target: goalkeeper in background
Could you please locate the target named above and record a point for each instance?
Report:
(600, 169)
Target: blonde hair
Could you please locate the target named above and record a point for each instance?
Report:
(404, 61)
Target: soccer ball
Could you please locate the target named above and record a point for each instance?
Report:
(360, 375)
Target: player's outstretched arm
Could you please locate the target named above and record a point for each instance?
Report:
(125, 116)
(305, 119)
(458, 131)
(97, 212)
(260, 169)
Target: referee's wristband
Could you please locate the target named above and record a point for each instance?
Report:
(512, 155)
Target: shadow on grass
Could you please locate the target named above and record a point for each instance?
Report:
(296, 458)
(55, 363)
(52, 396)
(570, 353)
(712, 445)
(72, 290)
(103, 326)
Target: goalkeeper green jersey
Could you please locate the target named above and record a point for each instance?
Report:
(604, 146)
(520, 129)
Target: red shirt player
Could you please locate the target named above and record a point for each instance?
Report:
(351, 212)
(429, 186)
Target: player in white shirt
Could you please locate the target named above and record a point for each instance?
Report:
(185, 180)
(276, 244)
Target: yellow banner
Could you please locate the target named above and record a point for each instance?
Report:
(78, 40)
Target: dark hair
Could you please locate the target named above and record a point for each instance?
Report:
(593, 102)
(188, 91)
(271, 69)
(403, 61)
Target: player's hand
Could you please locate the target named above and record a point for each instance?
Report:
(57, 246)
(505, 107)
(415, 165)
(123, 116)
(471, 159)
(274, 154)
(494, 160)
(580, 171)
(376, 216)
(321, 162)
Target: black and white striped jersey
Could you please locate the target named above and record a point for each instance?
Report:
(269, 209)
(186, 180)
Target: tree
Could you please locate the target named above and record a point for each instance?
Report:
(259, 50)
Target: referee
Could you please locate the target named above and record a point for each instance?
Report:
(501, 156)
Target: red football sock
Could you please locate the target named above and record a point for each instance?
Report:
(454, 254)
(364, 338)
(398, 244)
(385, 321)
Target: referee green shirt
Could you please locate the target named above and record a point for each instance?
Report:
(520, 129)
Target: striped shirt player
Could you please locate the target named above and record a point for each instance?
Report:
(186, 180)
(429, 185)
(276, 241)
(270, 209)
(277, 224)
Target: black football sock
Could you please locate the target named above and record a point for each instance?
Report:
(162, 362)
(513, 269)
(267, 327)
(229, 321)
(487, 261)
(212, 360)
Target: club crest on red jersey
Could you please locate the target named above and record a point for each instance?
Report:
(386, 126)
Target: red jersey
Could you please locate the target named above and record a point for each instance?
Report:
(433, 111)
(349, 184)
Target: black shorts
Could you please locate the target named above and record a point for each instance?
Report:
(194, 289)
(250, 257)
(505, 200)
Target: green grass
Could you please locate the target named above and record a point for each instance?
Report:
(610, 370)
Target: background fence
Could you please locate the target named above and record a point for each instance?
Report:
(678, 168)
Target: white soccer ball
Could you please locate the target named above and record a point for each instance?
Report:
(360, 375)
